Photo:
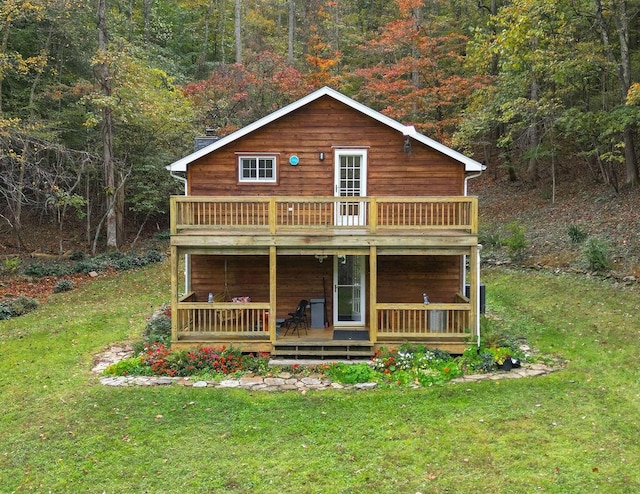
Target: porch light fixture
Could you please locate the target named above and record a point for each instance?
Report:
(321, 156)
(321, 257)
(407, 146)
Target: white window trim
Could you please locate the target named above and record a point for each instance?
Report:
(257, 157)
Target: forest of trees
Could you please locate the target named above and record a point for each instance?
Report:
(98, 96)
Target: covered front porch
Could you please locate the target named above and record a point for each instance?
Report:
(256, 326)
(258, 262)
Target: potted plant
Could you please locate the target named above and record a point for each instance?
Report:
(502, 358)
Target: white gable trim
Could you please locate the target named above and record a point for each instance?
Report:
(406, 130)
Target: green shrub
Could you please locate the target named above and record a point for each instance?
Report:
(576, 234)
(125, 263)
(41, 269)
(516, 242)
(5, 312)
(596, 253)
(162, 235)
(152, 256)
(11, 265)
(158, 328)
(77, 255)
(351, 373)
(88, 265)
(17, 307)
(477, 360)
(23, 305)
(118, 261)
(490, 237)
(258, 364)
(130, 366)
(63, 286)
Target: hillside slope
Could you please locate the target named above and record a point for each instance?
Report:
(594, 208)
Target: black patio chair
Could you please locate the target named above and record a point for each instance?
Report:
(297, 319)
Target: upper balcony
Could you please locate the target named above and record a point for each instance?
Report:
(324, 222)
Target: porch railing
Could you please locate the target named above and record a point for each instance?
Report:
(419, 320)
(228, 319)
(251, 320)
(276, 214)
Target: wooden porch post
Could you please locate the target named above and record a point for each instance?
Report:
(474, 286)
(273, 256)
(373, 293)
(174, 293)
(173, 221)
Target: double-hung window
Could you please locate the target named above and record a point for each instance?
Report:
(257, 168)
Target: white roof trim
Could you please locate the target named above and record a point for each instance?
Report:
(470, 165)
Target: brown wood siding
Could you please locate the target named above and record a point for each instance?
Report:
(322, 126)
(298, 277)
(403, 279)
(247, 276)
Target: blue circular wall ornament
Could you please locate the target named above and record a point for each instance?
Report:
(294, 160)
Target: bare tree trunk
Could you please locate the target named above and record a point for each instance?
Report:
(147, 19)
(534, 138)
(624, 75)
(107, 130)
(119, 207)
(3, 49)
(17, 217)
(36, 80)
(622, 22)
(238, 30)
(222, 10)
(292, 27)
(202, 59)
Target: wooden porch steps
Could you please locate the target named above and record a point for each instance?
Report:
(323, 350)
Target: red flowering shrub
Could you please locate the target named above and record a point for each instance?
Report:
(156, 357)
(165, 362)
(216, 360)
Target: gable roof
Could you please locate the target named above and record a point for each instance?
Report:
(470, 165)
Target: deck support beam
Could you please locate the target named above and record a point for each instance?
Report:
(474, 289)
(174, 292)
(273, 257)
(373, 294)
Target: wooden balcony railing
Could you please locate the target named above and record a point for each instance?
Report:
(278, 214)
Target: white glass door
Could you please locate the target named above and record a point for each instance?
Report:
(349, 291)
(350, 181)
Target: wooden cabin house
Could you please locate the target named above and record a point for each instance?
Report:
(328, 201)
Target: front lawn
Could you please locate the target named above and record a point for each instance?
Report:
(571, 431)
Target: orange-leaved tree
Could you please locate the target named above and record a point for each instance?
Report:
(420, 77)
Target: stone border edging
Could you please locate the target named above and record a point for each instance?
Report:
(284, 381)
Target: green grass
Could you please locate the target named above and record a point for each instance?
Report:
(572, 431)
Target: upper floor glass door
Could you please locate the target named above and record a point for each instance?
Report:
(350, 181)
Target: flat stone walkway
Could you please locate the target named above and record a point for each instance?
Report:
(283, 381)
